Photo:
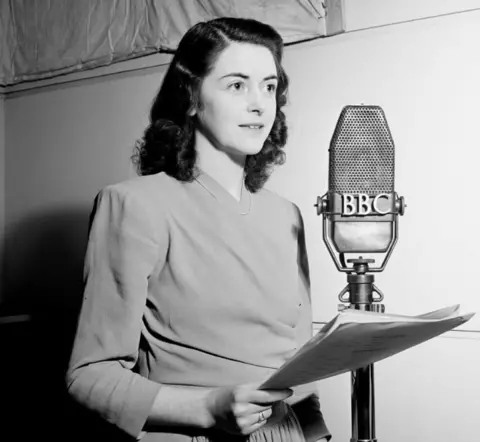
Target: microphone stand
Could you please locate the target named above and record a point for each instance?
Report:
(361, 288)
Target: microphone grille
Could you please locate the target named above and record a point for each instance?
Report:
(362, 153)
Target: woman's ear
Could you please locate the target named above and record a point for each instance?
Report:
(192, 111)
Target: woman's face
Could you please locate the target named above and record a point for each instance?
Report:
(238, 100)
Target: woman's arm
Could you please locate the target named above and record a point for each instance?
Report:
(236, 410)
(122, 251)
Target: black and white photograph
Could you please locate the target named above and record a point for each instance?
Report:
(239, 220)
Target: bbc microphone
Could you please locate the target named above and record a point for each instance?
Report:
(360, 223)
(361, 207)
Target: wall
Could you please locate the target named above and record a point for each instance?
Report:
(63, 143)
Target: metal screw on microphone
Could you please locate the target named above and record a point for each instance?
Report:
(322, 205)
(400, 205)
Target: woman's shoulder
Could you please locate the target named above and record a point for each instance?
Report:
(155, 194)
(145, 183)
(273, 198)
(158, 186)
(279, 204)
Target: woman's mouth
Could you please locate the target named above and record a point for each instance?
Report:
(252, 126)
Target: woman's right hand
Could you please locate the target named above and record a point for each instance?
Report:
(243, 409)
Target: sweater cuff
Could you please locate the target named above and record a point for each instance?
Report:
(137, 407)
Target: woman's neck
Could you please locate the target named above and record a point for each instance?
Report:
(224, 168)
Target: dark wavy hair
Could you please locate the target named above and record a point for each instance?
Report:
(168, 141)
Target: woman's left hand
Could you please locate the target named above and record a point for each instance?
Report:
(242, 409)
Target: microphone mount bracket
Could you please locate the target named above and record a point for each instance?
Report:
(361, 288)
(323, 208)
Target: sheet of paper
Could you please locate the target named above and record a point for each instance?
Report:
(348, 344)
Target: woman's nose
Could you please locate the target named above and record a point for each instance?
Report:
(256, 101)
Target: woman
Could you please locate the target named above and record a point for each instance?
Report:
(196, 278)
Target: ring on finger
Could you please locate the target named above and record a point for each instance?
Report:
(261, 417)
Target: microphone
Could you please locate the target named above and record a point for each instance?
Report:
(361, 207)
(360, 213)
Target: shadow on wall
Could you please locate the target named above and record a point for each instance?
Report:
(43, 278)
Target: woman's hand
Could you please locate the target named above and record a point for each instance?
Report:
(242, 409)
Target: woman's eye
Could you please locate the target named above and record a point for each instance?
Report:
(271, 87)
(237, 86)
